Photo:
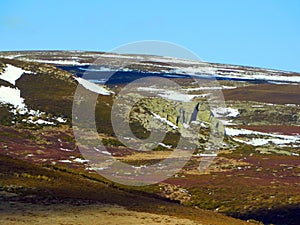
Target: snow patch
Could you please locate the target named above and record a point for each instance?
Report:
(66, 150)
(11, 96)
(177, 96)
(165, 146)
(207, 154)
(39, 121)
(171, 95)
(12, 73)
(61, 120)
(262, 139)
(79, 160)
(93, 87)
(65, 161)
(102, 151)
(58, 62)
(227, 112)
(166, 59)
(209, 88)
(96, 168)
(164, 120)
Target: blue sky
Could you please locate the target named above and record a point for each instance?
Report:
(264, 33)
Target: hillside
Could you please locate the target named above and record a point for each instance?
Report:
(255, 171)
(27, 185)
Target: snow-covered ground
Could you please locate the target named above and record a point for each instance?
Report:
(262, 76)
(119, 56)
(207, 154)
(12, 73)
(58, 62)
(177, 96)
(209, 88)
(177, 65)
(11, 96)
(256, 138)
(79, 160)
(165, 146)
(93, 87)
(164, 120)
(65, 161)
(66, 150)
(102, 151)
(225, 112)
(98, 69)
(38, 121)
(172, 95)
(195, 70)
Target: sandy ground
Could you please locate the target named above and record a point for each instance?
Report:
(20, 213)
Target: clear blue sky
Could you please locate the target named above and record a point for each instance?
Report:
(264, 33)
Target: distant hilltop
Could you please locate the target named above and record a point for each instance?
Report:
(150, 63)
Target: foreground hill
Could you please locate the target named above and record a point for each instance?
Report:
(25, 186)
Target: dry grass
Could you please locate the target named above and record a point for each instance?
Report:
(71, 188)
(21, 214)
(267, 93)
